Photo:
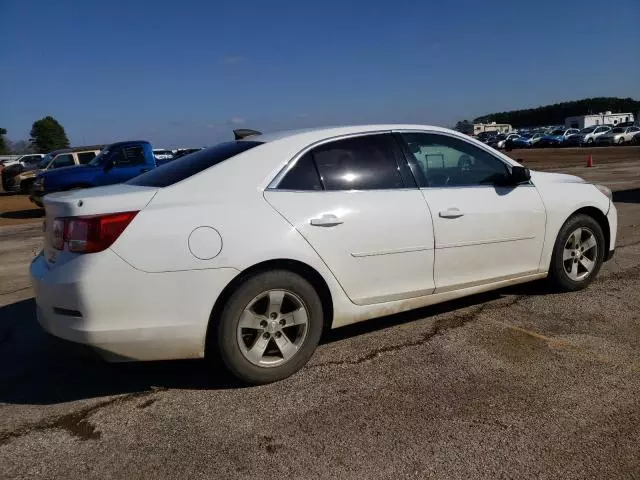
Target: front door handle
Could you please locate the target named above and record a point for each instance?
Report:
(451, 213)
(326, 220)
(142, 170)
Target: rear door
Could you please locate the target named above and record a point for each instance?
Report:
(362, 212)
(484, 232)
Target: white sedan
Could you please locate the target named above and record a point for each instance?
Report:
(251, 248)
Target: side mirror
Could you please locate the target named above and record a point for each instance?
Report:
(519, 175)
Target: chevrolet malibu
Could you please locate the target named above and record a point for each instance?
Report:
(250, 249)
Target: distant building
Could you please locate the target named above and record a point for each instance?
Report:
(605, 118)
(491, 127)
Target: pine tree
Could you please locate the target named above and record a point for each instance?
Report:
(47, 135)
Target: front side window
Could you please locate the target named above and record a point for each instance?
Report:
(360, 163)
(65, 160)
(452, 162)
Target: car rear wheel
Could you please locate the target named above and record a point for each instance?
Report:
(269, 327)
(577, 254)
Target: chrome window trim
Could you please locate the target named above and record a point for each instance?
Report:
(273, 185)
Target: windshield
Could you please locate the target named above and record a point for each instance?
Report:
(557, 132)
(98, 159)
(587, 130)
(45, 161)
(185, 167)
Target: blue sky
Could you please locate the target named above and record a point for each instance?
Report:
(186, 72)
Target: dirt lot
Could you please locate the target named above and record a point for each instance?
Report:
(517, 383)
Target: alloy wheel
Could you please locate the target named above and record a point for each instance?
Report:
(272, 328)
(580, 254)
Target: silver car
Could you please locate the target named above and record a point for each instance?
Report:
(618, 136)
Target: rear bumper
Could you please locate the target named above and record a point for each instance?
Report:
(125, 314)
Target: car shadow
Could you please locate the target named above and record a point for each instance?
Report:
(631, 195)
(24, 214)
(39, 369)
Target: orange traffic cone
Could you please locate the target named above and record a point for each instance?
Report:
(589, 161)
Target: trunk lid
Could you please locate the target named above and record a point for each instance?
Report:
(87, 202)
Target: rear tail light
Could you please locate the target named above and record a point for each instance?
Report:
(89, 234)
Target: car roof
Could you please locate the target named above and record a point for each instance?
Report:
(76, 149)
(125, 143)
(322, 133)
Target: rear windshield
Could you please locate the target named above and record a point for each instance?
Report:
(185, 167)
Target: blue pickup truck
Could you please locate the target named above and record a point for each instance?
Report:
(115, 163)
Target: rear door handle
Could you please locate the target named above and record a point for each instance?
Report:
(142, 170)
(451, 213)
(326, 220)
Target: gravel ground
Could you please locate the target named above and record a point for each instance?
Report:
(517, 383)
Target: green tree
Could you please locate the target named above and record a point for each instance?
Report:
(464, 126)
(556, 113)
(47, 135)
(4, 148)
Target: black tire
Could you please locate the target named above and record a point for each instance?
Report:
(621, 141)
(26, 186)
(227, 344)
(558, 276)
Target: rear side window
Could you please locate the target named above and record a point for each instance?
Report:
(86, 157)
(361, 163)
(303, 176)
(185, 167)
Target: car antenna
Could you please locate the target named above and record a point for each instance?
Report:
(241, 133)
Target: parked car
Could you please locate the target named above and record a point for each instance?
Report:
(618, 136)
(557, 138)
(523, 141)
(185, 151)
(484, 136)
(11, 168)
(587, 136)
(501, 144)
(115, 163)
(25, 160)
(163, 155)
(248, 250)
(23, 181)
(493, 141)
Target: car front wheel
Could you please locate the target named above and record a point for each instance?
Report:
(577, 254)
(269, 327)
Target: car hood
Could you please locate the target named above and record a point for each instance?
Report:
(67, 171)
(547, 177)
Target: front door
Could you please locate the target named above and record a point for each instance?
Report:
(363, 215)
(484, 231)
